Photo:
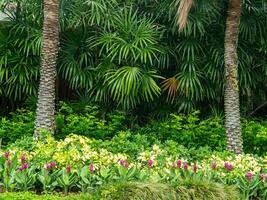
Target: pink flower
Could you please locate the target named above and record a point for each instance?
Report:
(53, 164)
(263, 177)
(213, 165)
(228, 166)
(91, 168)
(6, 154)
(249, 175)
(185, 166)
(8, 163)
(25, 165)
(179, 163)
(173, 165)
(150, 163)
(124, 163)
(23, 158)
(48, 166)
(195, 168)
(68, 168)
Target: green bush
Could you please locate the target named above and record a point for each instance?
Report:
(18, 125)
(188, 130)
(88, 122)
(255, 136)
(112, 132)
(193, 132)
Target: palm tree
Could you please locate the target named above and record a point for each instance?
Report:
(231, 91)
(45, 112)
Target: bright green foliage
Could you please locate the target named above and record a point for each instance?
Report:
(255, 136)
(113, 133)
(89, 122)
(19, 124)
(188, 130)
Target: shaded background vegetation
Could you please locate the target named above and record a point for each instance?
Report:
(129, 55)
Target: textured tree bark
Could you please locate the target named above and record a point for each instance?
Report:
(45, 113)
(231, 95)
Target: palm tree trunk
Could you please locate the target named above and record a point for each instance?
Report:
(45, 113)
(231, 96)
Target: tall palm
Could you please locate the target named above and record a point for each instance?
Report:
(231, 92)
(46, 94)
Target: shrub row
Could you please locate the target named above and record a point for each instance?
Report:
(187, 130)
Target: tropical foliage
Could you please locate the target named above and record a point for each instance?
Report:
(130, 54)
(129, 85)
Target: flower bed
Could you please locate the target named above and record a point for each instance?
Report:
(72, 165)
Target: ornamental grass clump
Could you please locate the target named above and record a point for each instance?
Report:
(138, 191)
(199, 189)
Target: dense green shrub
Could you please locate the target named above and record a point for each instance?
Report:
(112, 132)
(255, 136)
(88, 122)
(188, 130)
(19, 124)
(193, 132)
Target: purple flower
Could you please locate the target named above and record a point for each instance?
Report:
(91, 168)
(150, 163)
(53, 164)
(6, 154)
(179, 163)
(122, 162)
(228, 166)
(23, 158)
(25, 165)
(249, 175)
(194, 168)
(68, 168)
(8, 163)
(185, 166)
(263, 177)
(48, 166)
(213, 165)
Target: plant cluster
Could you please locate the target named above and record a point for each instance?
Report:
(116, 131)
(57, 166)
